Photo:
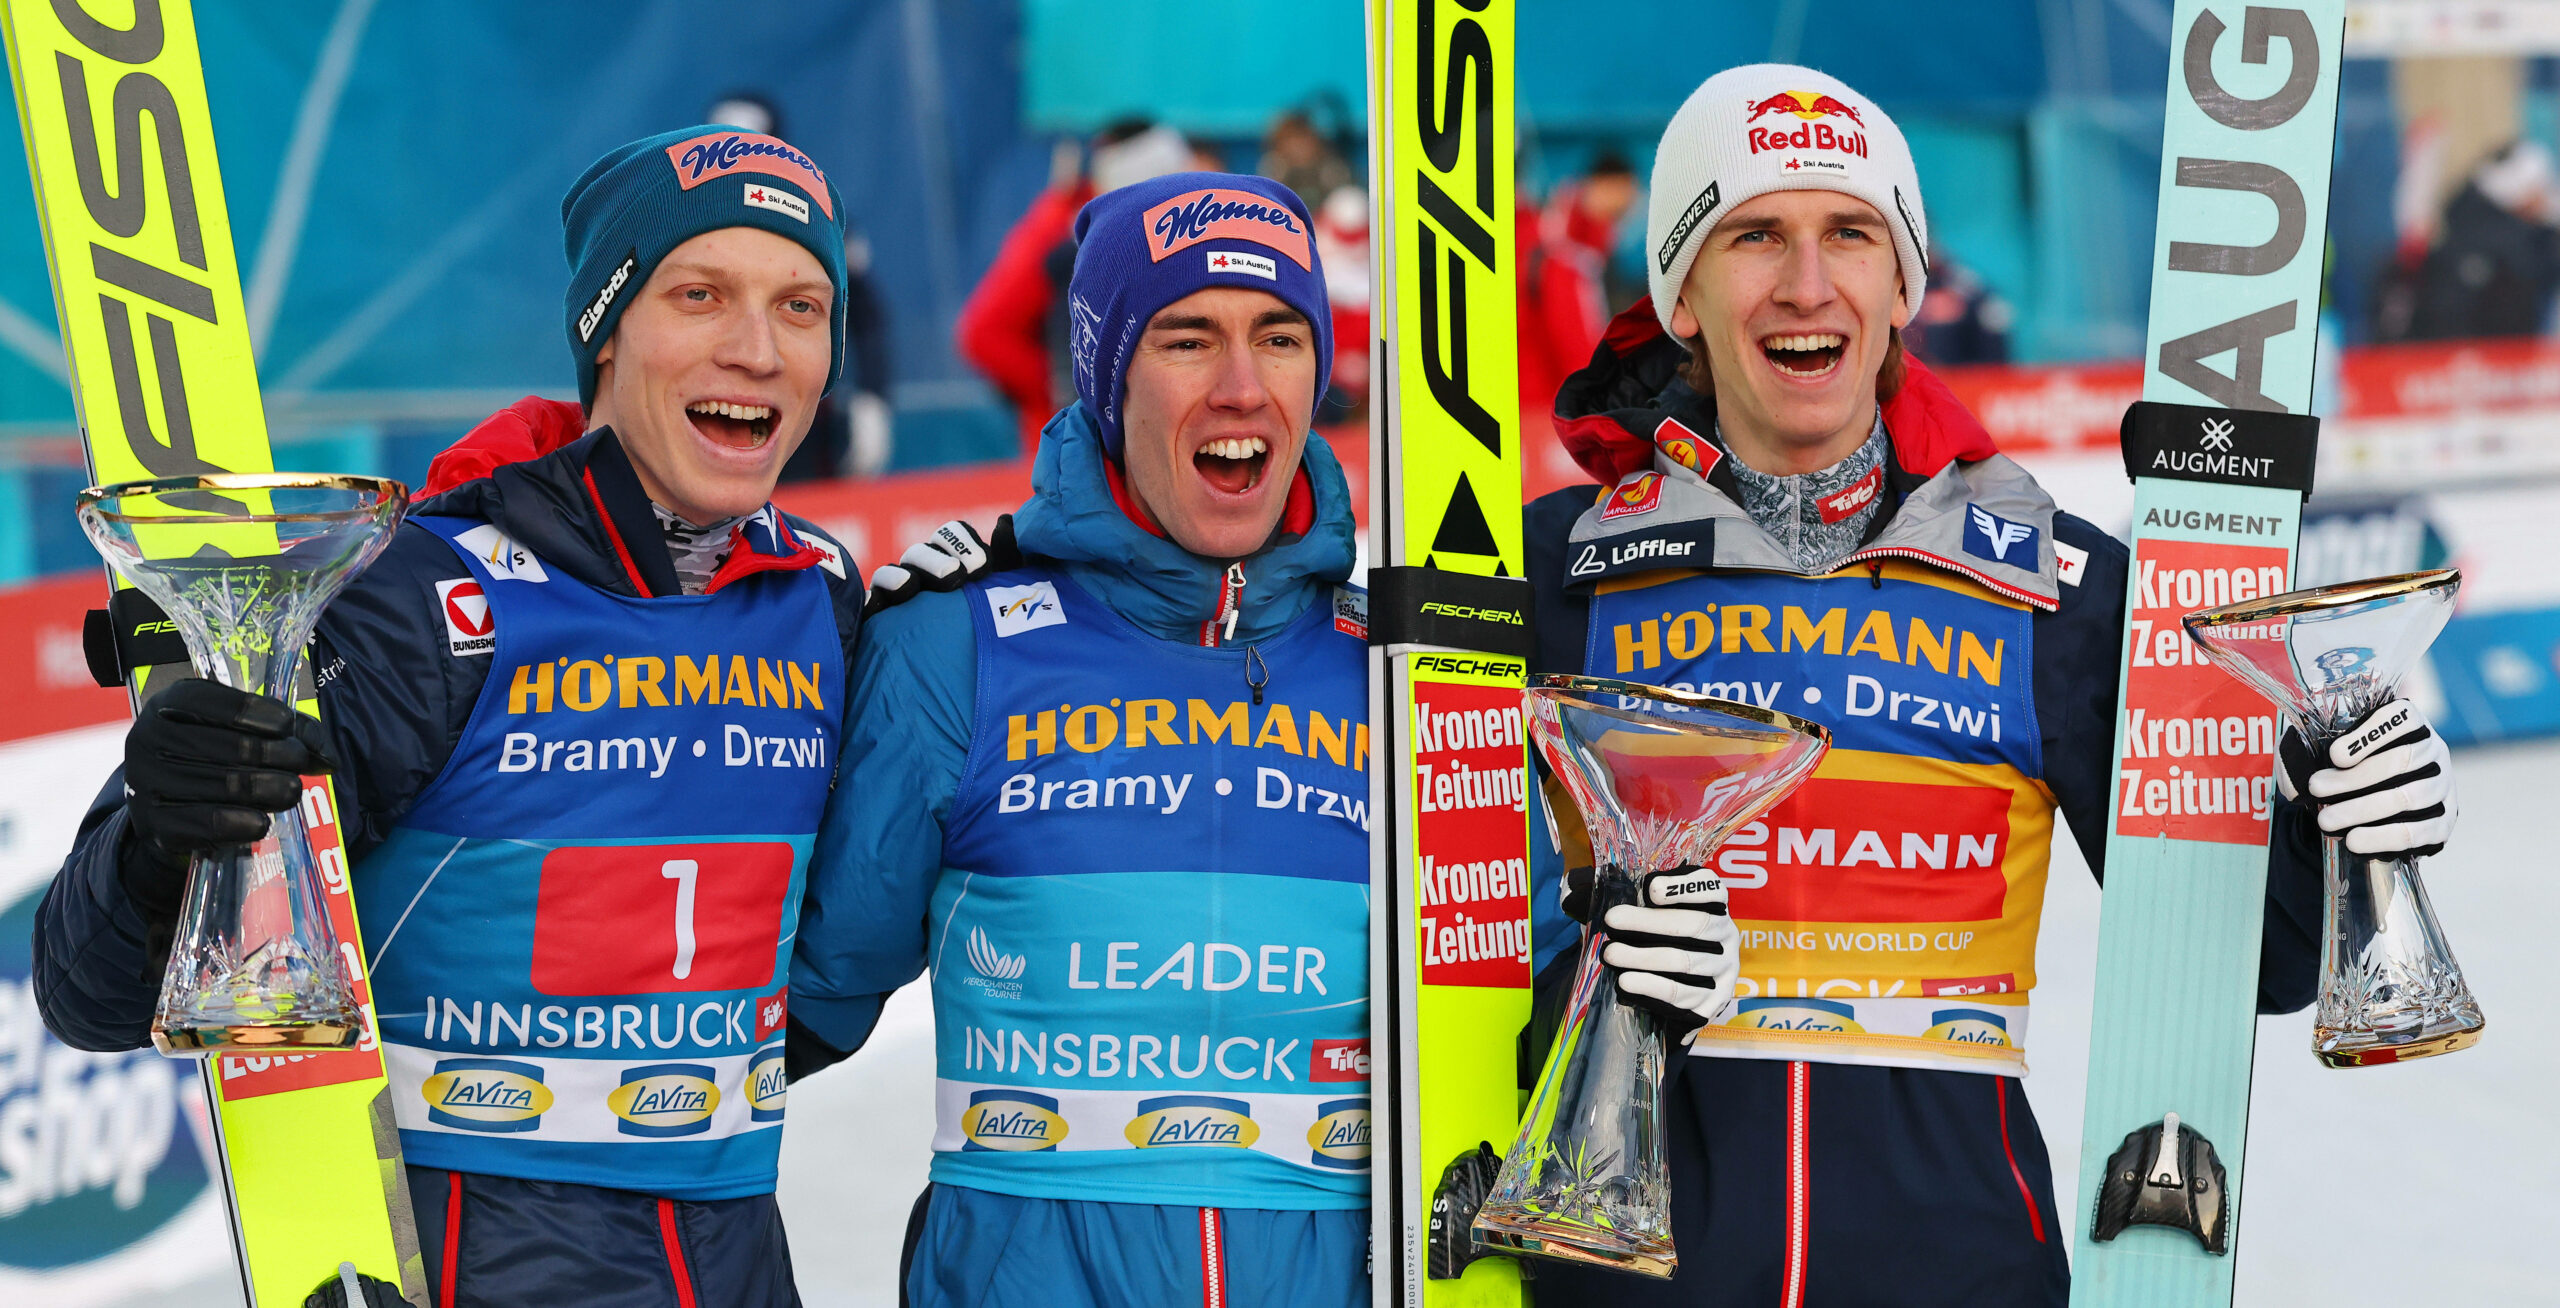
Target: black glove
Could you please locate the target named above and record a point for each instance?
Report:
(2385, 786)
(952, 557)
(203, 766)
(1674, 954)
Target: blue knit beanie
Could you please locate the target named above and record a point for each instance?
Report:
(1145, 246)
(642, 200)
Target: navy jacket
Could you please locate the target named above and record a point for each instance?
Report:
(392, 699)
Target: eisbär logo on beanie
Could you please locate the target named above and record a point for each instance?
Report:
(1195, 216)
(705, 158)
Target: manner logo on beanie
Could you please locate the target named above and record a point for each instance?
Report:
(1748, 131)
(640, 201)
(1150, 244)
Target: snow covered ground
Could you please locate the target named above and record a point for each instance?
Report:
(2425, 1183)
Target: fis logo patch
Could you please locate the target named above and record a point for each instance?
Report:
(1987, 535)
(497, 552)
(490, 1095)
(760, 196)
(469, 628)
(1638, 495)
(1019, 609)
(1682, 446)
(1249, 265)
(1183, 1121)
(768, 1086)
(1340, 1136)
(1011, 1121)
(1845, 502)
(665, 1099)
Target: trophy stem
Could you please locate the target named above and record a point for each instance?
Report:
(2390, 990)
(1587, 1181)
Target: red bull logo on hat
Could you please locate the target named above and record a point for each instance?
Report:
(1810, 132)
(1195, 216)
(705, 158)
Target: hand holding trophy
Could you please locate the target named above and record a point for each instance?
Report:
(1661, 778)
(255, 967)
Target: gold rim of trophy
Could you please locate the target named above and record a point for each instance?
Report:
(1683, 698)
(2345, 593)
(95, 497)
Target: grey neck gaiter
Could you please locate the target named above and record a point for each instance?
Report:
(697, 552)
(1790, 508)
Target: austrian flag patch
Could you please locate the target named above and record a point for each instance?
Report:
(1251, 265)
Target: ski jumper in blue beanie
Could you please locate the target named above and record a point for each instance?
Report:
(1145, 246)
(640, 201)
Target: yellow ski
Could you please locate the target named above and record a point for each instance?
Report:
(147, 291)
(1449, 943)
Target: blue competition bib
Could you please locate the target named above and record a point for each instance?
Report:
(580, 930)
(1150, 937)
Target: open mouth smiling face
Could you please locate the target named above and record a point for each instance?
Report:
(1220, 390)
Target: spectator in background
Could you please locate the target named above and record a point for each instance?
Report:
(1962, 321)
(1342, 246)
(1297, 156)
(1562, 263)
(851, 434)
(1013, 322)
(2496, 262)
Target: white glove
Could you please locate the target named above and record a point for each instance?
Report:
(867, 420)
(2387, 784)
(1676, 955)
(952, 557)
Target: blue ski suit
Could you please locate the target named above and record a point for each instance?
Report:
(1117, 800)
(1853, 1130)
(576, 921)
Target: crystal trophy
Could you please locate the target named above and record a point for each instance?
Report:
(255, 966)
(1660, 778)
(2389, 987)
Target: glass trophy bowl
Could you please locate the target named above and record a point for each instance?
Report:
(1660, 777)
(2389, 987)
(242, 565)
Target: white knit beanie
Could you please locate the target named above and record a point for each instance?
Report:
(1776, 127)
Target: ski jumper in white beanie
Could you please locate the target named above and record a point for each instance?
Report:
(1777, 127)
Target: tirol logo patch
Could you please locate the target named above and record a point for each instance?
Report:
(1844, 503)
(1340, 1136)
(1682, 446)
(1637, 495)
(1987, 535)
(614, 281)
(761, 196)
(1183, 1121)
(665, 1099)
(1249, 265)
(1195, 216)
(1011, 1121)
(1019, 609)
(486, 1094)
(708, 158)
(1338, 1060)
(505, 560)
(768, 1086)
(469, 628)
